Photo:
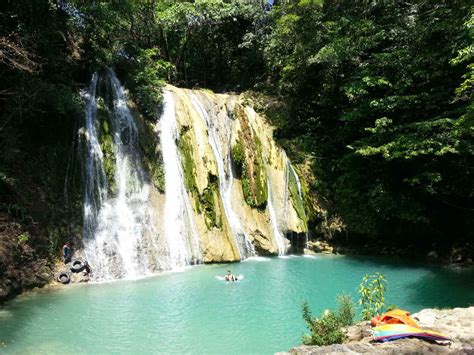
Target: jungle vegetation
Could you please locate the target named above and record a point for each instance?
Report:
(376, 94)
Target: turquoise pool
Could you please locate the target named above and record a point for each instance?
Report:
(193, 312)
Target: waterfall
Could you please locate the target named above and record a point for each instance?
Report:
(291, 170)
(95, 189)
(220, 142)
(277, 234)
(115, 228)
(180, 231)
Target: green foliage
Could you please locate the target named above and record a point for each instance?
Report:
(372, 295)
(23, 238)
(327, 329)
(149, 82)
(345, 312)
(379, 93)
(54, 238)
(40, 107)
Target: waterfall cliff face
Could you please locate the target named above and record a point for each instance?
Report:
(237, 171)
(119, 223)
(180, 231)
(219, 137)
(228, 191)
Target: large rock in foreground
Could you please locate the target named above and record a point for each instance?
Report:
(457, 323)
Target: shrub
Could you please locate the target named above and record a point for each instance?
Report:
(372, 295)
(23, 238)
(345, 312)
(327, 329)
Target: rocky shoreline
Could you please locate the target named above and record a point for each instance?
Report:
(457, 323)
(460, 255)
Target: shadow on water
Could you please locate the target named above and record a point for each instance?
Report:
(439, 287)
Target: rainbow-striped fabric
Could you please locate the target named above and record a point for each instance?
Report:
(388, 332)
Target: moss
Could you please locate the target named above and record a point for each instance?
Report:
(207, 201)
(249, 165)
(238, 159)
(296, 199)
(152, 158)
(261, 191)
(107, 144)
(189, 170)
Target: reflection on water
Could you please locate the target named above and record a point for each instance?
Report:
(193, 312)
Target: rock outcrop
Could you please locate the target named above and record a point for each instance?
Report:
(236, 129)
(319, 246)
(457, 323)
(21, 268)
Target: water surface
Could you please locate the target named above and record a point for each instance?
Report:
(193, 312)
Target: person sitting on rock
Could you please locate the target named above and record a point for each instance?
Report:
(67, 252)
(230, 277)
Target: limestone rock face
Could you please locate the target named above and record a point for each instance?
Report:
(320, 246)
(457, 323)
(209, 127)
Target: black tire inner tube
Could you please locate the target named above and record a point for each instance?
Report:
(77, 265)
(64, 278)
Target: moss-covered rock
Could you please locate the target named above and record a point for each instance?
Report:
(106, 142)
(248, 162)
(296, 199)
(150, 148)
(189, 170)
(207, 202)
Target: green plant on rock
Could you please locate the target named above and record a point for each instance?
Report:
(207, 205)
(261, 193)
(296, 198)
(23, 238)
(238, 158)
(107, 144)
(149, 81)
(189, 170)
(253, 178)
(54, 238)
(327, 329)
(157, 173)
(372, 295)
(205, 201)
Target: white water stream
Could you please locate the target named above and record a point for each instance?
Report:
(277, 234)
(180, 231)
(116, 228)
(220, 140)
(291, 170)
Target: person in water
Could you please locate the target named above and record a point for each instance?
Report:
(230, 277)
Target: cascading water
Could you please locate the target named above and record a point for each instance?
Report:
(180, 232)
(291, 170)
(95, 189)
(224, 167)
(277, 234)
(115, 227)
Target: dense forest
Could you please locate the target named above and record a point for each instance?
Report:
(376, 95)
